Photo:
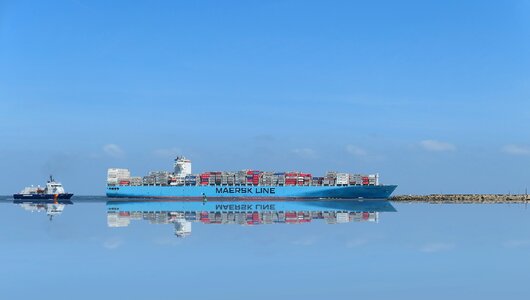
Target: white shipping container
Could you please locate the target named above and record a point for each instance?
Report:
(136, 180)
(119, 174)
(342, 181)
(373, 217)
(112, 181)
(342, 217)
(115, 220)
(343, 178)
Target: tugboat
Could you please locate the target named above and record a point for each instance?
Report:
(53, 191)
(51, 209)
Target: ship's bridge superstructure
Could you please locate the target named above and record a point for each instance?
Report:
(182, 166)
(53, 187)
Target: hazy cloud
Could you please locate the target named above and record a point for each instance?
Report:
(437, 247)
(305, 153)
(305, 241)
(112, 243)
(165, 153)
(439, 146)
(356, 243)
(516, 243)
(167, 241)
(113, 150)
(516, 150)
(356, 150)
(264, 138)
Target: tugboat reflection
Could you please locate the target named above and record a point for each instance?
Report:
(51, 207)
(183, 213)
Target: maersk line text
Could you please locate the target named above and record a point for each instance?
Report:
(231, 190)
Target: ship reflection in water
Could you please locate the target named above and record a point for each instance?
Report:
(51, 207)
(183, 213)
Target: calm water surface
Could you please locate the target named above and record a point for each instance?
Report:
(262, 250)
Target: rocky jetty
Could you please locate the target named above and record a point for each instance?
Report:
(463, 198)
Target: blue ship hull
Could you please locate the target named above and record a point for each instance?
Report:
(42, 196)
(252, 192)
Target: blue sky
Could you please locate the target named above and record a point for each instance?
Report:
(434, 96)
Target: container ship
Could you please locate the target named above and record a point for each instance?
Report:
(243, 185)
(183, 213)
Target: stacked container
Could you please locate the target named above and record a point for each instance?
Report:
(266, 178)
(342, 179)
(331, 217)
(148, 180)
(211, 179)
(244, 177)
(136, 181)
(230, 178)
(317, 181)
(190, 180)
(224, 178)
(241, 178)
(205, 178)
(291, 178)
(372, 179)
(304, 217)
(218, 176)
(266, 217)
(115, 175)
(291, 217)
(122, 219)
(342, 217)
(253, 177)
(365, 180)
(161, 177)
(278, 179)
(304, 179)
(330, 178)
(356, 179)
